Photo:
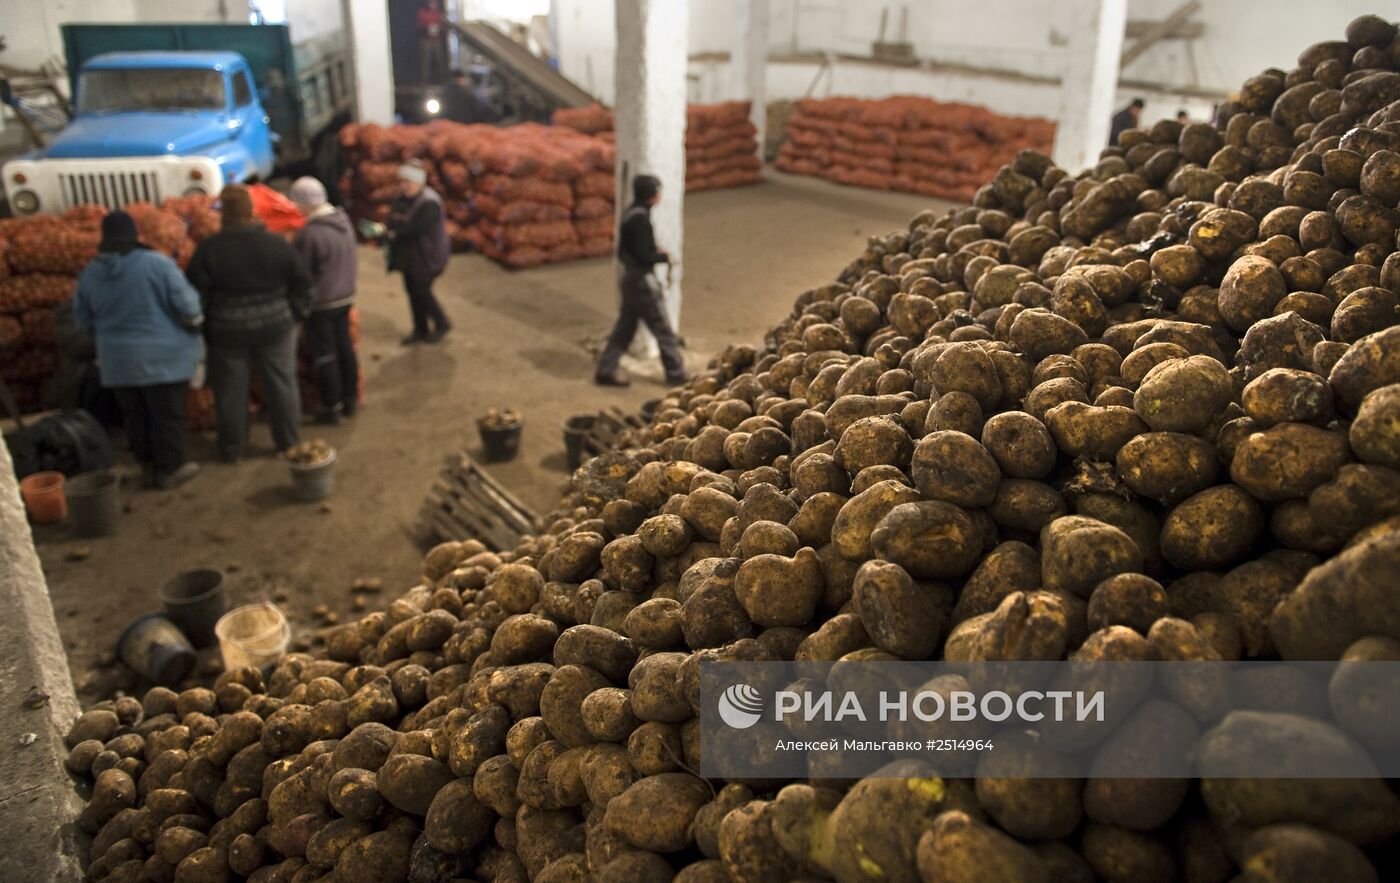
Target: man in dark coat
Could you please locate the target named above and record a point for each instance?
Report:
(255, 290)
(1125, 119)
(419, 248)
(642, 300)
(326, 244)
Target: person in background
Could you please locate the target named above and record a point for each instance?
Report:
(419, 248)
(641, 291)
(326, 245)
(255, 290)
(1182, 117)
(145, 318)
(460, 104)
(432, 41)
(1124, 119)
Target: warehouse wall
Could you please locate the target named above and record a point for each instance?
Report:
(1020, 36)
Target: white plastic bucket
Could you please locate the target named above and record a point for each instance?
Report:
(253, 636)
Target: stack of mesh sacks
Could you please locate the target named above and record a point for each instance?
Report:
(721, 145)
(522, 195)
(40, 260)
(906, 143)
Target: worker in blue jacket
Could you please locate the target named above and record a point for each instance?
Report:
(145, 319)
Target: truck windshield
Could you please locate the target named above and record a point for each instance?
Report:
(105, 91)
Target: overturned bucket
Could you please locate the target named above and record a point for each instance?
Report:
(195, 601)
(254, 635)
(155, 648)
(94, 502)
(576, 445)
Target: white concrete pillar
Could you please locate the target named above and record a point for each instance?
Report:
(650, 108)
(1090, 79)
(368, 21)
(748, 61)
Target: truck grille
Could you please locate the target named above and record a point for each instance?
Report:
(110, 189)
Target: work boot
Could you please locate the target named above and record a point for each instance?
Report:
(349, 407)
(414, 339)
(148, 475)
(616, 378)
(677, 379)
(439, 334)
(327, 417)
(183, 473)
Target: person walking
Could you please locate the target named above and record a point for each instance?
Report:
(419, 248)
(255, 290)
(1124, 119)
(327, 248)
(640, 290)
(145, 319)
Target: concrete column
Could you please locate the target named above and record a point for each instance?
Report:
(748, 61)
(39, 804)
(368, 21)
(1090, 80)
(651, 92)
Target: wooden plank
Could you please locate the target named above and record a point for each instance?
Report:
(1157, 32)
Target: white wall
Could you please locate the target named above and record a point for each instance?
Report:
(1241, 38)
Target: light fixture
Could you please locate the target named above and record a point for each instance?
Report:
(432, 106)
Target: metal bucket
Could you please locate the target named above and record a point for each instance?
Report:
(195, 601)
(155, 648)
(94, 502)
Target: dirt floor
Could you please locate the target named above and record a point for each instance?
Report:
(522, 339)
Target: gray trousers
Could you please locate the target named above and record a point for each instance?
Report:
(276, 362)
(641, 303)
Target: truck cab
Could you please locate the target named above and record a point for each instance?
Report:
(149, 125)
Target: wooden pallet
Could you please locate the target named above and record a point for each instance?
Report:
(609, 427)
(466, 503)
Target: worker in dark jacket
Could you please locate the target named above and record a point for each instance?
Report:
(1125, 119)
(641, 291)
(145, 320)
(326, 245)
(255, 291)
(419, 249)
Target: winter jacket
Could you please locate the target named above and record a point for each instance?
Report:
(144, 316)
(420, 245)
(326, 245)
(636, 241)
(255, 287)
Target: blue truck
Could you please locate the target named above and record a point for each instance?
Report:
(167, 110)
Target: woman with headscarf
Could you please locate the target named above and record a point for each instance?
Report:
(255, 291)
(145, 319)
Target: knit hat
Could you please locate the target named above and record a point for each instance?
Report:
(236, 204)
(644, 187)
(412, 171)
(308, 193)
(118, 229)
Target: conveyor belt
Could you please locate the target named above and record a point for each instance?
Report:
(514, 60)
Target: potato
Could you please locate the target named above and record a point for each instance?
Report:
(1371, 363)
(1211, 529)
(1287, 461)
(354, 793)
(1292, 853)
(603, 650)
(959, 849)
(930, 539)
(456, 820)
(780, 591)
(203, 866)
(523, 637)
(377, 858)
(1375, 433)
(1129, 599)
(1078, 553)
(99, 723)
(955, 468)
(1344, 599)
(1361, 810)
(1082, 430)
(657, 813)
(900, 616)
(495, 784)
(1183, 395)
(850, 535)
(874, 441)
(1020, 444)
(1118, 855)
(410, 781)
(1287, 395)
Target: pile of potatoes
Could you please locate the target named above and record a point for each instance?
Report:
(1148, 412)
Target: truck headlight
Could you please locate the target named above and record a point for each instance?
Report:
(26, 202)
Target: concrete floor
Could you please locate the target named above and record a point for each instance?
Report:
(522, 340)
